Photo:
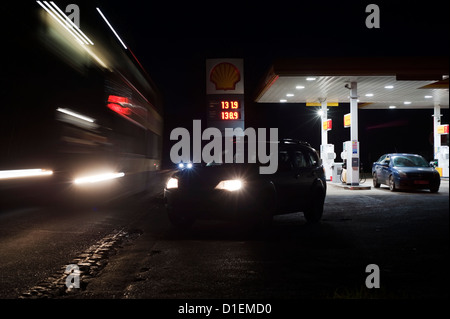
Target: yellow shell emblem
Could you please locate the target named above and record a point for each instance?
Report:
(225, 76)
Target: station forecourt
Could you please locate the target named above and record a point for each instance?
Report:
(365, 83)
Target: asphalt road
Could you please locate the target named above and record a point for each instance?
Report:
(128, 250)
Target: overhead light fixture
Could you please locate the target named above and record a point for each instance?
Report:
(392, 106)
(428, 96)
(283, 100)
(407, 102)
(369, 94)
(299, 87)
(112, 29)
(289, 94)
(310, 79)
(389, 87)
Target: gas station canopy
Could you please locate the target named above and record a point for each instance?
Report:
(365, 83)
(402, 83)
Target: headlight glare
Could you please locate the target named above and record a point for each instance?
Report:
(230, 185)
(98, 178)
(172, 183)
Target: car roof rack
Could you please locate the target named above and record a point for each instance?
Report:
(293, 141)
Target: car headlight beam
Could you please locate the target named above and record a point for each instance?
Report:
(185, 165)
(172, 183)
(21, 173)
(98, 178)
(230, 185)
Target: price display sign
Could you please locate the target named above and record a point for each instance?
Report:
(225, 110)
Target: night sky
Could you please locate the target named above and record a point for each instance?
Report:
(173, 39)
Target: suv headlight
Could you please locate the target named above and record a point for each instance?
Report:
(172, 183)
(230, 185)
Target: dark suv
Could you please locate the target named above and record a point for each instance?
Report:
(239, 192)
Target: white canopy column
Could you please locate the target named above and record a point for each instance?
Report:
(326, 150)
(353, 162)
(436, 123)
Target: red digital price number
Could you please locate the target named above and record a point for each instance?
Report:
(230, 105)
(230, 115)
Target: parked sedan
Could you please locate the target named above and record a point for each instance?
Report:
(405, 171)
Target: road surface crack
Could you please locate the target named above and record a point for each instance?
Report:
(90, 262)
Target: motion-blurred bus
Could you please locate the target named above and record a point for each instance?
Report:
(80, 118)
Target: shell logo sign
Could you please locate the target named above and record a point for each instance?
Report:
(442, 129)
(327, 125)
(347, 120)
(224, 76)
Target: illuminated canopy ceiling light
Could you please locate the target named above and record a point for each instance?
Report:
(19, 173)
(56, 13)
(112, 29)
(98, 178)
(310, 79)
(74, 114)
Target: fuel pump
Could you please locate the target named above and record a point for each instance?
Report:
(328, 155)
(442, 157)
(350, 156)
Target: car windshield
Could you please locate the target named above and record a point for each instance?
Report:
(244, 159)
(242, 156)
(409, 161)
